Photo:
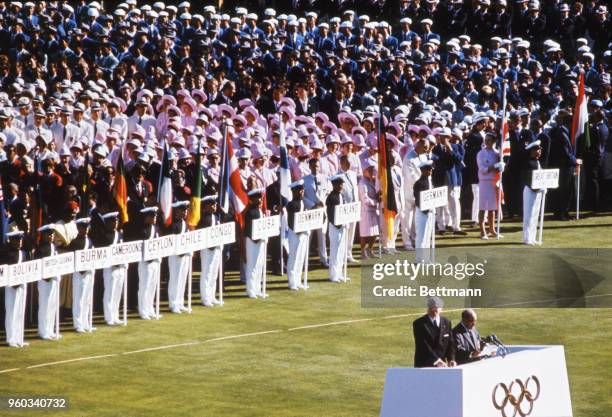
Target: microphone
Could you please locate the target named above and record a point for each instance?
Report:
(500, 344)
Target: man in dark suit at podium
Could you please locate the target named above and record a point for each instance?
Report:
(468, 343)
(433, 339)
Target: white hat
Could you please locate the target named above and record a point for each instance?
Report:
(180, 204)
(152, 209)
(209, 198)
(425, 163)
(256, 191)
(533, 144)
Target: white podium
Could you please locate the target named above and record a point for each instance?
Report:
(530, 381)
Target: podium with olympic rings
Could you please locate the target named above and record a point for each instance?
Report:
(529, 381)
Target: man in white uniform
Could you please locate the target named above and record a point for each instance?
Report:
(298, 242)
(337, 233)
(255, 249)
(82, 282)
(179, 266)
(210, 257)
(14, 295)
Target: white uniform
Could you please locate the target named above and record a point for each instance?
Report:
(178, 268)
(337, 250)
(298, 246)
(15, 303)
(532, 203)
(114, 278)
(254, 266)
(410, 173)
(82, 297)
(48, 303)
(398, 188)
(424, 225)
(210, 261)
(350, 193)
(316, 190)
(148, 280)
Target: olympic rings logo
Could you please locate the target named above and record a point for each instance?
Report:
(518, 397)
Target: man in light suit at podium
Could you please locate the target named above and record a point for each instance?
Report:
(433, 339)
(468, 343)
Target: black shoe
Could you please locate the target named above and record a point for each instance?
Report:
(460, 233)
(441, 232)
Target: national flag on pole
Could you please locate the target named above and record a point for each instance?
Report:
(231, 187)
(386, 183)
(581, 116)
(3, 217)
(284, 175)
(193, 217)
(120, 189)
(505, 138)
(85, 187)
(164, 193)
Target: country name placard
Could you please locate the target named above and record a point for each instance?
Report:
(56, 265)
(436, 197)
(545, 178)
(25, 272)
(91, 259)
(266, 227)
(189, 242)
(221, 234)
(127, 252)
(304, 221)
(347, 213)
(159, 247)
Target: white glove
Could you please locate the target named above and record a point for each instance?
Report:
(578, 161)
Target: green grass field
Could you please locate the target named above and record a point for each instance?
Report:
(277, 357)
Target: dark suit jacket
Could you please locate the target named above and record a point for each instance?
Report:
(465, 345)
(422, 184)
(333, 199)
(432, 344)
(312, 108)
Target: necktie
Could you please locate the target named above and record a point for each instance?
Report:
(63, 133)
(139, 120)
(95, 129)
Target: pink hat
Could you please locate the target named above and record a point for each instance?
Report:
(191, 103)
(196, 92)
(173, 108)
(358, 140)
(224, 108)
(183, 92)
(393, 139)
(252, 111)
(245, 102)
(322, 116)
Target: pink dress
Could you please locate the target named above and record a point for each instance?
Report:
(368, 225)
(487, 181)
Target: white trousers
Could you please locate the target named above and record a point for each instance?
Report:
(350, 238)
(178, 267)
(389, 243)
(532, 201)
(82, 299)
(210, 262)
(114, 279)
(14, 304)
(321, 243)
(443, 218)
(148, 280)
(454, 207)
(48, 304)
(425, 228)
(337, 252)
(298, 246)
(475, 202)
(254, 266)
(408, 230)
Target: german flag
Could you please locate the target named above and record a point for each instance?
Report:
(389, 206)
(120, 189)
(193, 217)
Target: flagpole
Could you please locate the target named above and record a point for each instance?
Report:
(501, 158)
(221, 278)
(280, 197)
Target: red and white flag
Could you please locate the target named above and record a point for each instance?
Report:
(232, 189)
(164, 193)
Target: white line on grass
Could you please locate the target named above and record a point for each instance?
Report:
(160, 348)
(72, 360)
(236, 336)
(335, 323)
(312, 326)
